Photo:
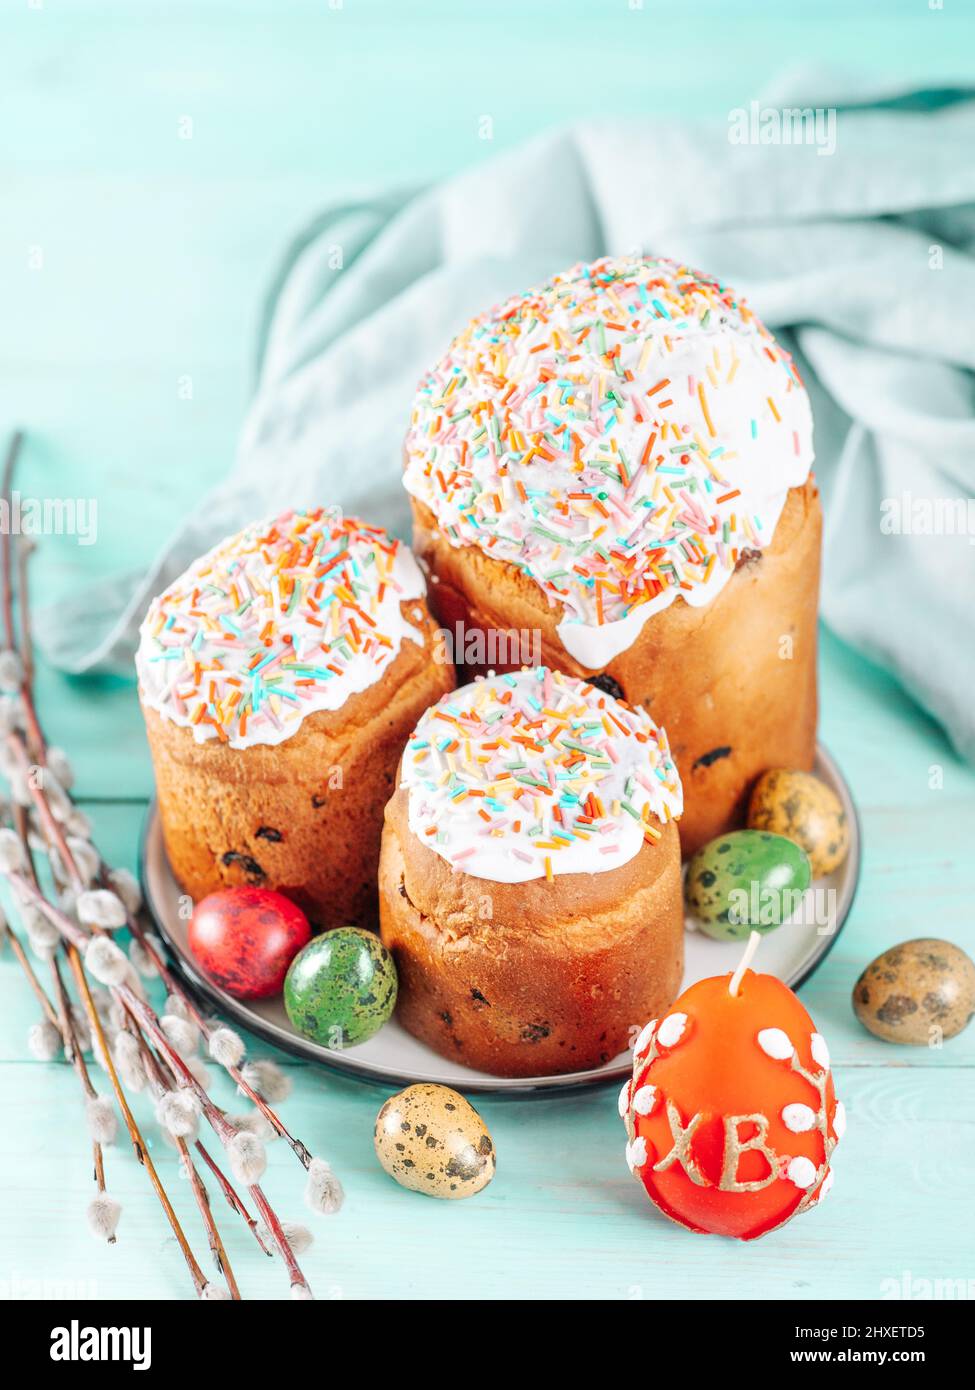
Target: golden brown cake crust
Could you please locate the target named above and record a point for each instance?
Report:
(303, 816)
(733, 683)
(536, 978)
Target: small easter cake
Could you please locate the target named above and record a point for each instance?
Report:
(616, 467)
(529, 881)
(280, 677)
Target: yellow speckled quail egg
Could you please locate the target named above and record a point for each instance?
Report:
(431, 1140)
(918, 992)
(804, 810)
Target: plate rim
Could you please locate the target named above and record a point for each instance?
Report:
(502, 1087)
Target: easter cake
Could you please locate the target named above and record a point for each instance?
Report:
(619, 463)
(280, 677)
(529, 880)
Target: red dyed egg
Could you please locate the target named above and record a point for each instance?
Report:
(731, 1114)
(245, 939)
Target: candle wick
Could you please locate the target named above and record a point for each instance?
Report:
(744, 963)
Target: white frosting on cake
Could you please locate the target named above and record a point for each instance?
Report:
(533, 774)
(292, 615)
(621, 434)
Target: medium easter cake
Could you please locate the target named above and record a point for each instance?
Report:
(279, 678)
(530, 886)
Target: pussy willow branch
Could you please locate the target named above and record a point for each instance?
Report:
(161, 1078)
(34, 735)
(219, 1123)
(141, 1016)
(138, 1143)
(55, 835)
(73, 1051)
(23, 960)
(78, 940)
(77, 1058)
(26, 644)
(159, 1086)
(175, 986)
(61, 1018)
(231, 1195)
(6, 567)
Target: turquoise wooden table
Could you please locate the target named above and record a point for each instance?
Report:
(154, 159)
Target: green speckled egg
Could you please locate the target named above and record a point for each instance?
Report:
(431, 1140)
(919, 992)
(748, 880)
(341, 988)
(804, 810)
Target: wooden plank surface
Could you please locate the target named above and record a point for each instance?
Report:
(156, 250)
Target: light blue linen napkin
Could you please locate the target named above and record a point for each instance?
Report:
(862, 257)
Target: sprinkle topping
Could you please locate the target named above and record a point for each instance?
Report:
(534, 774)
(621, 434)
(292, 615)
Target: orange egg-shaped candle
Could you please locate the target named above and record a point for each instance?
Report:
(730, 1112)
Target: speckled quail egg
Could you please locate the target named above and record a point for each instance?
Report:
(431, 1140)
(919, 992)
(804, 810)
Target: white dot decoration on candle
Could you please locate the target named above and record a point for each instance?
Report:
(776, 1044)
(624, 1099)
(672, 1030)
(645, 1038)
(824, 1191)
(798, 1117)
(636, 1153)
(645, 1099)
(839, 1120)
(802, 1171)
(820, 1051)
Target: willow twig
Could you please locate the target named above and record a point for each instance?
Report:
(175, 986)
(163, 1065)
(23, 960)
(149, 1023)
(138, 1143)
(233, 1198)
(34, 734)
(224, 1130)
(221, 1259)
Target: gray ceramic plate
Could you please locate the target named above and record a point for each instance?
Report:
(395, 1058)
